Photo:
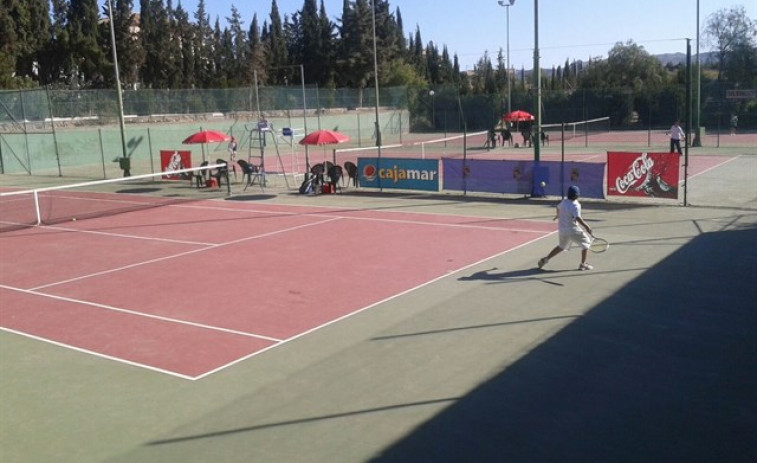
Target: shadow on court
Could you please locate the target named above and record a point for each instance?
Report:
(512, 276)
(664, 370)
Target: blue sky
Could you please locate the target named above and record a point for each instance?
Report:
(568, 29)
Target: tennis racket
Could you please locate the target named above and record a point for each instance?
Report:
(598, 244)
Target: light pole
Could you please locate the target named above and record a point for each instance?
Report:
(537, 86)
(507, 4)
(433, 109)
(125, 156)
(697, 140)
(375, 78)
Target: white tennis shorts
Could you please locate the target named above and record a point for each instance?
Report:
(577, 237)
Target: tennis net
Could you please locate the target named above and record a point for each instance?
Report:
(577, 129)
(452, 146)
(58, 204)
(447, 147)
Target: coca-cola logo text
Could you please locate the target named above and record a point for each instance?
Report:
(636, 171)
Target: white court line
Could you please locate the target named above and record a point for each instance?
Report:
(133, 237)
(182, 254)
(414, 222)
(370, 306)
(682, 181)
(329, 209)
(98, 354)
(451, 225)
(277, 342)
(589, 156)
(139, 314)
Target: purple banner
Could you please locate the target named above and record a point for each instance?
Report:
(517, 177)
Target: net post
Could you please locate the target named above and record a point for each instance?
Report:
(36, 208)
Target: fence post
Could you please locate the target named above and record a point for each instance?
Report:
(52, 127)
(102, 152)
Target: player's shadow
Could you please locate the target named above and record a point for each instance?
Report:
(511, 276)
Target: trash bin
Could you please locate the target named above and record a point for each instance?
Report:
(698, 137)
(125, 165)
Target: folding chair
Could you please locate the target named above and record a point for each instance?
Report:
(351, 169)
(250, 172)
(335, 175)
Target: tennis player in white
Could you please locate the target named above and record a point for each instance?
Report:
(569, 227)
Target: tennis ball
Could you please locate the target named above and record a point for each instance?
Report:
(543, 184)
(73, 219)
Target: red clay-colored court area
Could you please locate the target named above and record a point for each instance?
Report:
(190, 289)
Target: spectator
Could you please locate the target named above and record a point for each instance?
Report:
(676, 135)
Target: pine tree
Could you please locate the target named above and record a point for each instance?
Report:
(7, 50)
(327, 52)
(387, 43)
(203, 39)
(56, 59)
(238, 49)
(130, 53)
(256, 55)
(277, 47)
(311, 44)
(402, 44)
(416, 52)
(356, 53)
(33, 32)
(86, 50)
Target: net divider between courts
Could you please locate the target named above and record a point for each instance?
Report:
(445, 140)
(363, 149)
(423, 144)
(572, 129)
(36, 191)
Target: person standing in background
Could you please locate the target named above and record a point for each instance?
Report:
(676, 135)
(233, 156)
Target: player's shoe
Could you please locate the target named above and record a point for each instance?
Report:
(585, 266)
(543, 261)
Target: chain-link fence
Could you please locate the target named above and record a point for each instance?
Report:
(76, 132)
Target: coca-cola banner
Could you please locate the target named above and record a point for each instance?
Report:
(171, 160)
(654, 175)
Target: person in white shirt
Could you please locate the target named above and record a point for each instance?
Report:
(571, 229)
(676, 135)
(233, 155)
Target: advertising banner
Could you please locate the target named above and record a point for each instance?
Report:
(399, 173)
(653, 175)
(521, 177)
(171, 160)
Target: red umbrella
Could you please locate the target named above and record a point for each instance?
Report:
(518, 116)
(324, 137)
(206, 136)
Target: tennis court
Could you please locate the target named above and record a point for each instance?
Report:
(382, 327)
(190, 289)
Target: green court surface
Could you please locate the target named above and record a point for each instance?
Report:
(649, 357)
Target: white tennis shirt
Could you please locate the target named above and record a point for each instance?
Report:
(567, 212)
